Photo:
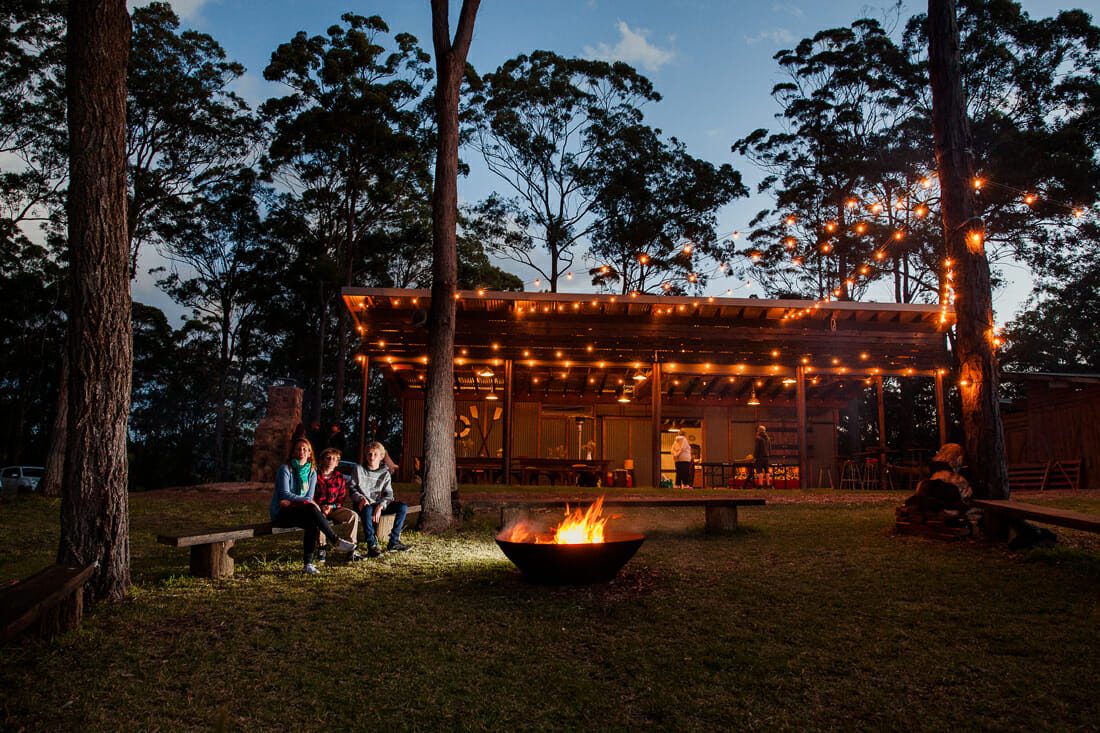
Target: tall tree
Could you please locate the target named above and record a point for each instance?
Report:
(1033, 108)
(349, 142)
(439, 411)
(186, 130)
(655, 211)
(540, 121)
(843, 169)
(32, 114)
(33, 174)
(964, 236)
(95, 520)
(218, 240)
(1057, 331)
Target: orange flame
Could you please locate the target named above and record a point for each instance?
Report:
(581, 527)
(578, 527)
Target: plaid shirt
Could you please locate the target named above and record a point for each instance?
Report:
(330, 489)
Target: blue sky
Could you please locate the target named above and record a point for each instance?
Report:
(711, 60)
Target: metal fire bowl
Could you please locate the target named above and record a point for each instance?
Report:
(579, 564)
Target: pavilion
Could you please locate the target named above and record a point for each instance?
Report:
(567, 377)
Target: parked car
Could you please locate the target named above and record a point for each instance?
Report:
(20, 479)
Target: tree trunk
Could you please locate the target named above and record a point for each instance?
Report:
(50, 485)
(343, 319)
(94, 514)
(439, 412)
(224, 360)
(964, 236)
(322, 334)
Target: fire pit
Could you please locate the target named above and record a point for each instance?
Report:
(577, 552)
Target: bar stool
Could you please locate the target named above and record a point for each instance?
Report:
(851, 476)
(825, 472)
(870, 474)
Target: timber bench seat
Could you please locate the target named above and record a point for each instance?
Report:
(210, 548)
(998, 510)
(52, 599)
(721, 513)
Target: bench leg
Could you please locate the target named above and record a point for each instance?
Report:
(212, 560)
(65, 615)
(994, 526)
(383, 528)
(721, 519)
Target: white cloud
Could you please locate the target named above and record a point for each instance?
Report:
(787, 9)
(777, 36)
(634, 48)
(256, 90)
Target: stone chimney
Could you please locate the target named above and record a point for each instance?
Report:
(271, 444)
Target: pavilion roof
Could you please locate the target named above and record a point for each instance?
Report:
(569, 345)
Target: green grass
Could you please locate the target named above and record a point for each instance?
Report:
(812, 616)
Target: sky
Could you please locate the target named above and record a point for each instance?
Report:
(711, 61)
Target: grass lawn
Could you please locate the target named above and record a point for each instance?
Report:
(812, 616)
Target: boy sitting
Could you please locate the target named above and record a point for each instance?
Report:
(329, 495)
(372, 496)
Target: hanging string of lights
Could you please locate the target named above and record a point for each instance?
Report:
(908, 201)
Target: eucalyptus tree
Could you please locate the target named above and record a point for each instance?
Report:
(840, 169)
(655, 212)
(33, 166)
(852, 166)
(1033, 106)
(219, 241)
(33, 174)
(539, 121)
(187, 131)
(350, 144)
(439, 485)
(95, 521)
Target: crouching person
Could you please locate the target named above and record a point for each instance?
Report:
(945, 494)
(330, 494)
(372, 496)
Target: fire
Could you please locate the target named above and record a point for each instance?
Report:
(577, 528)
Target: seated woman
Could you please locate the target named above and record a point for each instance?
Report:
(292, 503)
(946, 491)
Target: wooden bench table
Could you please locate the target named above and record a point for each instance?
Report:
(210, 548)
(997, 510)
(720, 513)
(52, 598)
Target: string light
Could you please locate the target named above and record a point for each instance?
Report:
(918, 209)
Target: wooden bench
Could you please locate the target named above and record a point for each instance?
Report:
(720, 513)
(51, 601)
(210, 548)
(996, 511)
